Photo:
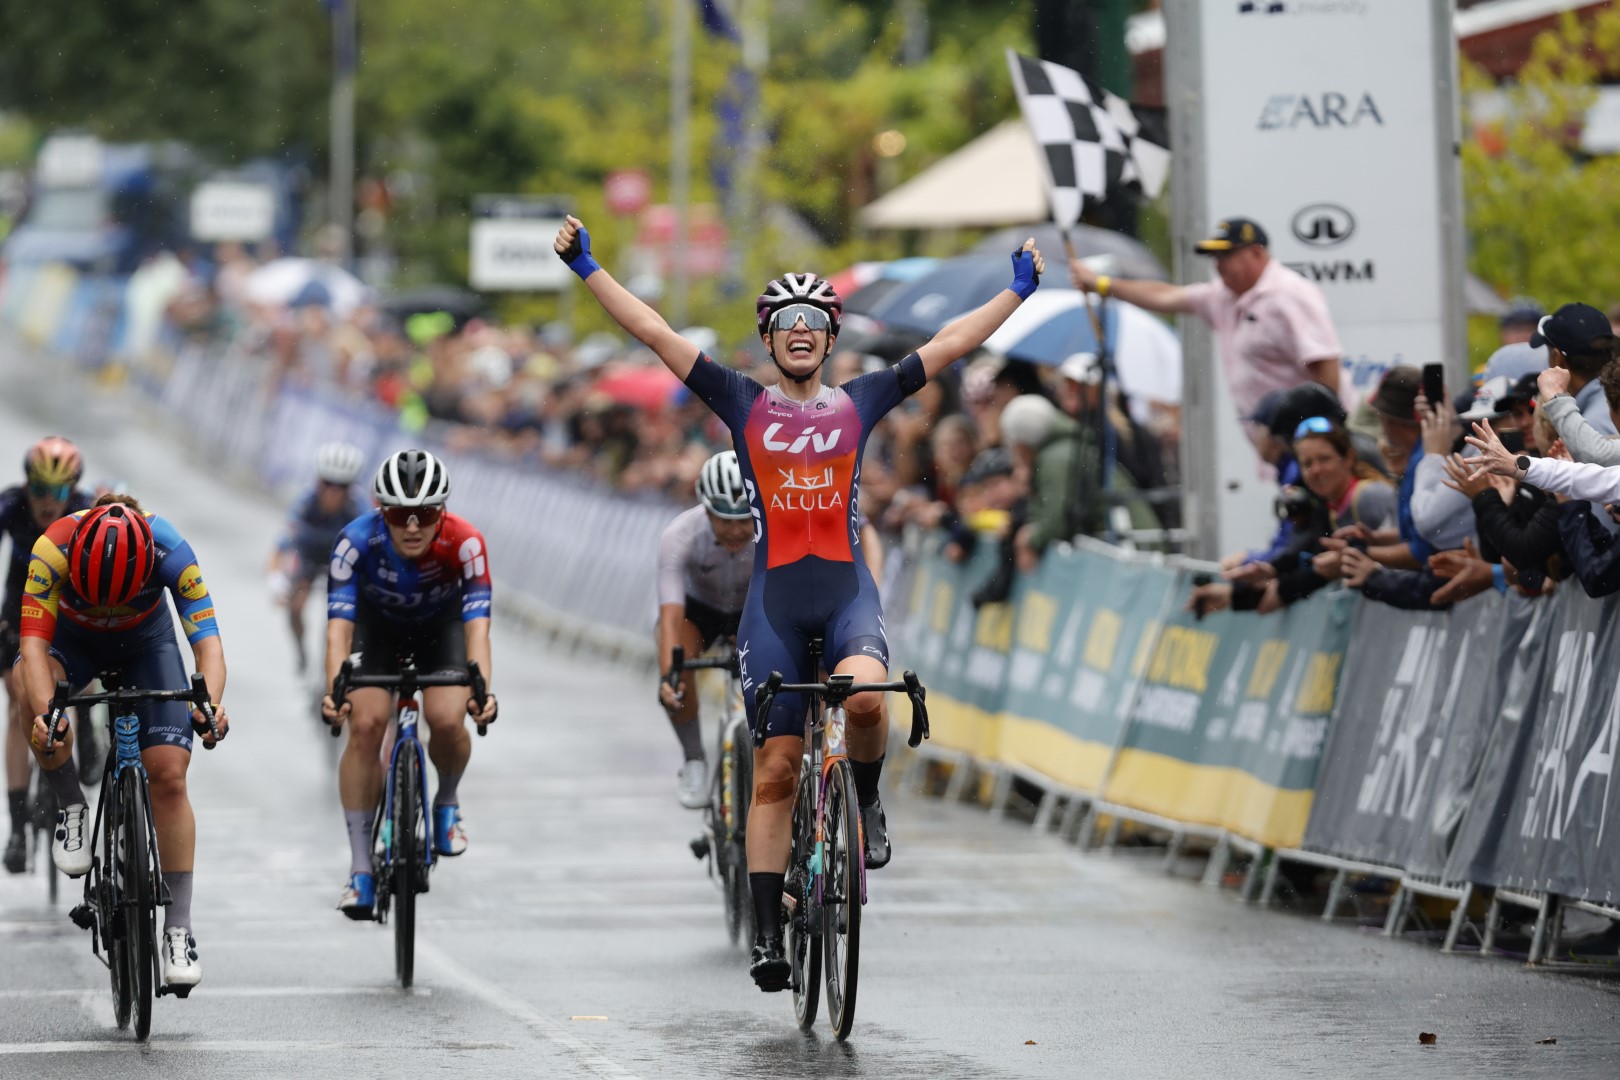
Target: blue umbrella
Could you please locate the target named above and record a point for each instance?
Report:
(953, 287)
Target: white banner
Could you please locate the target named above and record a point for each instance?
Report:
(232, 210)
(1329, 122)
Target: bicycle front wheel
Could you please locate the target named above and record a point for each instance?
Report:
(739, 897)
(802, 924)
(134, 872)
(409, 843)
(841, 896)
(107, 890)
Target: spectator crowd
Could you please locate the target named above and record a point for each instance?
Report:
(1409, 500)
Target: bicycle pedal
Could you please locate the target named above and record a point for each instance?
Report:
(84, 917)
(700, 847)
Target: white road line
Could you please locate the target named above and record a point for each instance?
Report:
(522, 1011)
(124, 1045)
(240, 992)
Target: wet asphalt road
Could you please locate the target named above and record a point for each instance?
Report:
(578, 937)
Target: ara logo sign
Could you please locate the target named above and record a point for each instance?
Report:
(796, 444)
(1323, 224)
(1330, 109)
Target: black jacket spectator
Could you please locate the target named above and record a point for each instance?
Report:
(1525, 534)
(1594, 552)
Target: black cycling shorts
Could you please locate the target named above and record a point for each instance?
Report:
(438, 643)
(713, 624)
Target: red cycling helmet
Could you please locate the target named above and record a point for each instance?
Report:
(111, 555)
(798, 289)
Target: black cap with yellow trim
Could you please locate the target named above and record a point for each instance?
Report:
(1231, 234)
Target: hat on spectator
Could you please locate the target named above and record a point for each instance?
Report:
(1396, 396)
(1574, 328)
(987, 465)
(1027, 420)
(1266, 408)
(1521, 311)
(1231, 234)
(1082, 367)
(1514, 362)
(1489, 400)
(1300, 403)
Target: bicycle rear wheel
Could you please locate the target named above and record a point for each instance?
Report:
(409, 836)
(135, 888)
(841, 896)
(804, 926)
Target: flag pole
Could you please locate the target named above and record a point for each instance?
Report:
(1094, 312)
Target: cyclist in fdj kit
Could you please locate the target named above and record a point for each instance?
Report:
(94, 603)
(799, 444)
(705, 558)
(408, 579)
(52, 469)
(313, 525)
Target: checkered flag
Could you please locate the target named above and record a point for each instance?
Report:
(1093, 142)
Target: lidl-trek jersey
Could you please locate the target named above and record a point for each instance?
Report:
(49, 597)
(801, 465)
(366, 569)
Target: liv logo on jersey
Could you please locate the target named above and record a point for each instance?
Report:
(807, 437)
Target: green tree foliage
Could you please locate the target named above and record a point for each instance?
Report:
(234, 77)
(1544, 219)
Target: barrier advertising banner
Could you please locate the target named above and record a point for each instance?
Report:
(1406, 745)
(1229, 723)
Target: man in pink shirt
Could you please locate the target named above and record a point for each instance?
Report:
(1272, 327)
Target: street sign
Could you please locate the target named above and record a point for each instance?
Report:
(224, 210)
(510, 244)
(627, 191)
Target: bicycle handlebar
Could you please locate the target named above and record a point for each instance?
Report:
(407, 679)
(197, 696)
(679, 663)
(839, 688)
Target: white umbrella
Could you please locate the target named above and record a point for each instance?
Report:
(281, 281)
(1052, 325)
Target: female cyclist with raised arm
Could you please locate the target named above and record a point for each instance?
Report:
(799, 444)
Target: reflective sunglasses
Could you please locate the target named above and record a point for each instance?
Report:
(59, 492)
(788, 317)
(1316, 425)
(403, 517)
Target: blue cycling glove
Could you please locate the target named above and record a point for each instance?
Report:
(578, 255)
(1025, 279)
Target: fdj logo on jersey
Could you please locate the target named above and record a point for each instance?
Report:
(809, 435)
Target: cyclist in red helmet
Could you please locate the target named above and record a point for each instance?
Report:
(799, 444)
(94, 603)
(52, 469)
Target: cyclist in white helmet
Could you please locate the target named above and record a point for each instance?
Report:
(313, 525)
(705, 559)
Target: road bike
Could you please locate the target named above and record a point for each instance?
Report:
(124, 887)
(724, 843)
(826, 875)
(402, 833)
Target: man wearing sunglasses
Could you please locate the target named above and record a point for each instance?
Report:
(406, 579)
(52, 469)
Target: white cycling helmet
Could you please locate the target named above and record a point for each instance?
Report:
(411, 478)
(339, 463)
(720, 487)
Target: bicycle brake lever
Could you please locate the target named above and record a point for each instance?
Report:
(54, 717)
(919, 711)
(200, 702)
(480, 691)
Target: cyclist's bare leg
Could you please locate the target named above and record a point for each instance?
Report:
(58, 764)
(296, 600)
(360, 771)
(770, 815)
(171, 807)
(444, 708)
(868, 730)
(685, 717)
(16, 734)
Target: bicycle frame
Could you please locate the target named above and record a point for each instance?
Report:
(125, 757)
(825, 746)
(407, 711)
